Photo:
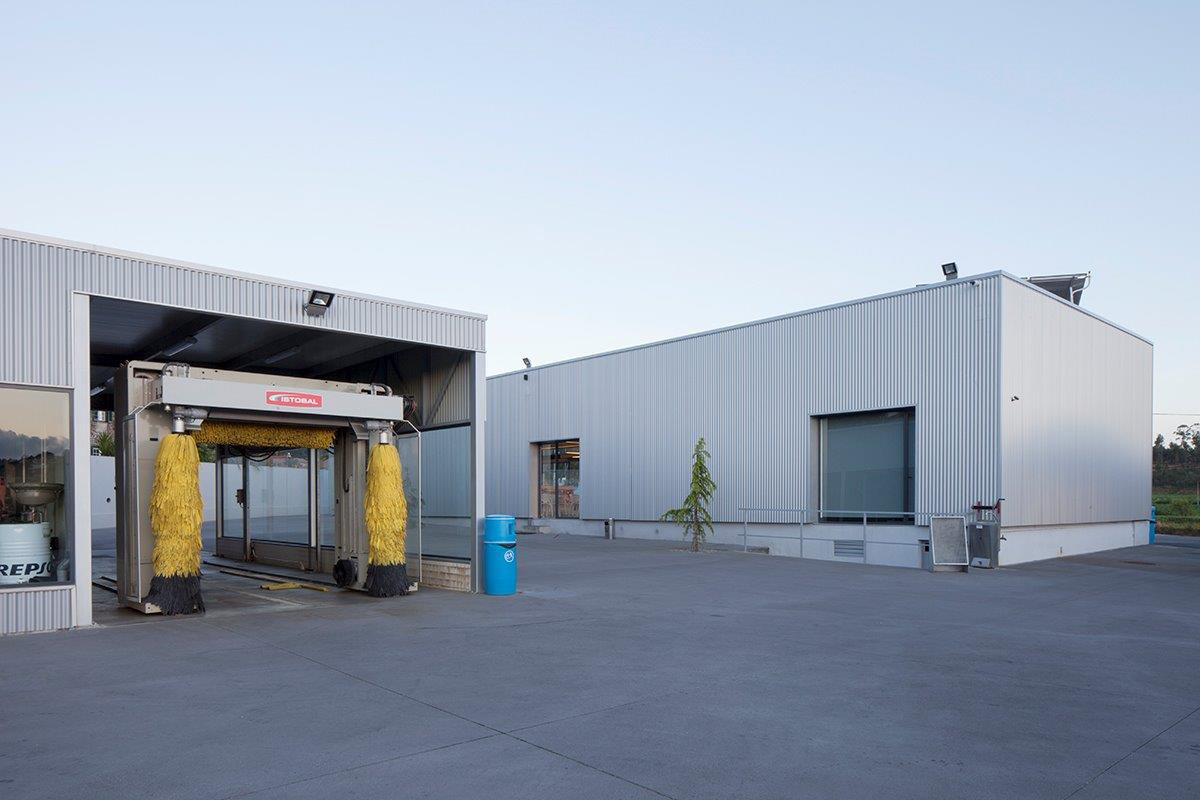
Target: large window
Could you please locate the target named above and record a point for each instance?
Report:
(867, 466)
(35, 444)
(558, 479)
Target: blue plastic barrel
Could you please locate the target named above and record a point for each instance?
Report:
(499, 554)
(1153, 522)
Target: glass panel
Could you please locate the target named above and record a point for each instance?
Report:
(325, 515)
(867, 463)
(558, 479)
(567, 474)
(406, 444)
(546, 481)
(277, 489)
(231, 497)
(35, 442)
(446, 486)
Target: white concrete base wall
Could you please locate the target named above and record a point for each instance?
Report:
(1019, 545)
(887, 545)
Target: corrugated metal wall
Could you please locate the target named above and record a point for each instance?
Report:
(424, 374)
(37, 277)
(35, 609)
(752, 391)
(1076, 440)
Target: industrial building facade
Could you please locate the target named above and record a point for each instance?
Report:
(79, 322)
(837, 433)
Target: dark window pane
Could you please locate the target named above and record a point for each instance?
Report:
(867, 465)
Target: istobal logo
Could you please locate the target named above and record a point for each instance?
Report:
(294, 399)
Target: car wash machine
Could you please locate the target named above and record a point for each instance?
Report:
(165, 410)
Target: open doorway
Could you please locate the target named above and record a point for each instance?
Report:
(276, 506)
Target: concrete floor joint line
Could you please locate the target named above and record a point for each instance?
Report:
(1093, 779)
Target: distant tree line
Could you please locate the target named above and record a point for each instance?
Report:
(1177, 462)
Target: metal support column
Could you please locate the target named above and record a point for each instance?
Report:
(478, 421)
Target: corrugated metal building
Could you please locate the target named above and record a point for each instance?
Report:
(71, 312)
(922, 402)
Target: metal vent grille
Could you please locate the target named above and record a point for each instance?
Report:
(848, 548)
(948, 538)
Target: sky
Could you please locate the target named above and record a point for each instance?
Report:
(598, 175)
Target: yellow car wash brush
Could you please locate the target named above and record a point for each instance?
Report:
(176, 511)
(251, 434)
(386, 515)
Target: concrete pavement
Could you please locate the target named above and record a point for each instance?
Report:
(630, 669)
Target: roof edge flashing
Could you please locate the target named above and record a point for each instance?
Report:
(88, 247)
(922, 287)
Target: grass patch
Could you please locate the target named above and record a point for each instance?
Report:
(1177, 512)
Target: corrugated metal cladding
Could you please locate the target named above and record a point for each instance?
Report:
(446, 391)
(36, 610)
(752, 392)
(1076, 414)
(37, 277)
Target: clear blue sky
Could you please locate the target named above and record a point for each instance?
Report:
(600, 175)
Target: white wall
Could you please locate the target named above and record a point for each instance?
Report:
(1054, 541)
(104, 492)
(1076, 439)
(883, 545)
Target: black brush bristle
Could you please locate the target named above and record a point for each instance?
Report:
(178, 594)
(386, 580)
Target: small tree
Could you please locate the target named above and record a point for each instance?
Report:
(693, 515)
(105, 443)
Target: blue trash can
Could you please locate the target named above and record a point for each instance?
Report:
(499, 554)
(1153, 522)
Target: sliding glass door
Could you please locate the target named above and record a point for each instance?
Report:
(558, 479)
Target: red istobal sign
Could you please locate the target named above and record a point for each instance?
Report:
(294, 399)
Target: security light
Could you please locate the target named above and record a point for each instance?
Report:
(950, 271)
(528, 363)
(318, 303)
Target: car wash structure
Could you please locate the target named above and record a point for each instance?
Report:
(252, 419)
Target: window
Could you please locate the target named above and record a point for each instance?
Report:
(867, 465)
(558, 479)
(446, 529)
(35, 443)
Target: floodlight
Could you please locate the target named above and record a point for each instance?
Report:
(318, 303)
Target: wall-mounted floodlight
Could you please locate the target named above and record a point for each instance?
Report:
(950, 271)
(318, 303)
(528, 363)
(179, 347)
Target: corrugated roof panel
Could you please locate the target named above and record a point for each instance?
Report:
(38, 276)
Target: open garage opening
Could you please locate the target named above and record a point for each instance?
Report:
(274, 506)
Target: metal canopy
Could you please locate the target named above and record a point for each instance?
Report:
(124, 330)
